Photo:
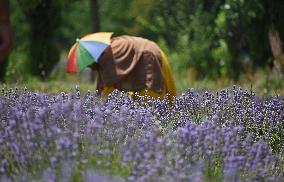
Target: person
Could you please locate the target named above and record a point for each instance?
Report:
(134, 64)
(5, 36)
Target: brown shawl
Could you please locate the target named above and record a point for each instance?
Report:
(131, 64)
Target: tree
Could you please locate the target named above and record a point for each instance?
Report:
(189, 28)
(197, 29)
(44, 19)
(95, 25)
(116, 16)
(5, 37)
(276, 33)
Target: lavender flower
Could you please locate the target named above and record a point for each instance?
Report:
(231, 135)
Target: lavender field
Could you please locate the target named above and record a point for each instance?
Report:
(231, 135)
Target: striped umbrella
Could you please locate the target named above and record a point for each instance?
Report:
(87, 51)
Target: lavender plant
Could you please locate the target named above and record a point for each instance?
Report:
(231, 135)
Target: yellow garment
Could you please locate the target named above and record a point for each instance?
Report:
(169, 80)
(169, 87)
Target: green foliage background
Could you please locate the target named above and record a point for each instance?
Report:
(204, 39)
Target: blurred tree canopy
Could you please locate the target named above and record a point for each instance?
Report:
(43, 18)
(214, 38)
(220, 37)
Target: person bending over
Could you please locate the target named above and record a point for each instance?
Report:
(134, 64)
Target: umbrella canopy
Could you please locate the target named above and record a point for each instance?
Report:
(87, 51)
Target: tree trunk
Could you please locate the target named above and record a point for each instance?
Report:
(44, 19)
(95, 26)
(5, 37)
(276, 49)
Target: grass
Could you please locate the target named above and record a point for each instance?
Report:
(261, 82)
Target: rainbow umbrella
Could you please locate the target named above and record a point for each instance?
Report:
(87, 51)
